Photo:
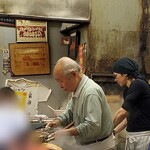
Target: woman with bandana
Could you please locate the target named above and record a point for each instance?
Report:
(136, 105)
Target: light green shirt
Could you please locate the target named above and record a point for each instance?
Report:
(89, 111)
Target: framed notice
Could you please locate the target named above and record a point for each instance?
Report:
(31, 31)
(74, 43)
(29, 59)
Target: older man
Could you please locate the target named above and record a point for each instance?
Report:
(88, 108)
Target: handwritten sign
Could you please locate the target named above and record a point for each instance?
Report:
(31, 31)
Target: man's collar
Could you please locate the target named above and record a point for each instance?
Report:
(80, 86)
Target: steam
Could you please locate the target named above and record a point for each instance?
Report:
(67, 142)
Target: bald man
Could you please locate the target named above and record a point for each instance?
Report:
(87, 109)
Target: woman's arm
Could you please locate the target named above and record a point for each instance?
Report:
(120, 115)
(120, 126)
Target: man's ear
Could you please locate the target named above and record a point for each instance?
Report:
(73, 73)
(125, 75)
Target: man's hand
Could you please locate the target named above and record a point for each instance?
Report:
(54, 123)
(59, 133)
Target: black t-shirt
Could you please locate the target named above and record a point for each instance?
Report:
(137, 103)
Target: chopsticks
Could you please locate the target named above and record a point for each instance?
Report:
(69, 125)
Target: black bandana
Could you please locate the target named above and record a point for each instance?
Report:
(125, 66)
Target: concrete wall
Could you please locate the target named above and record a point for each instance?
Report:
(118, 28)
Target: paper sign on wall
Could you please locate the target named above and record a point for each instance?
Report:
(6, 61)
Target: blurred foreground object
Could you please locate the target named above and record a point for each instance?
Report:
(15, 133)
(52, 146)
(14, 122)
(14, 125)
(7, 95)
